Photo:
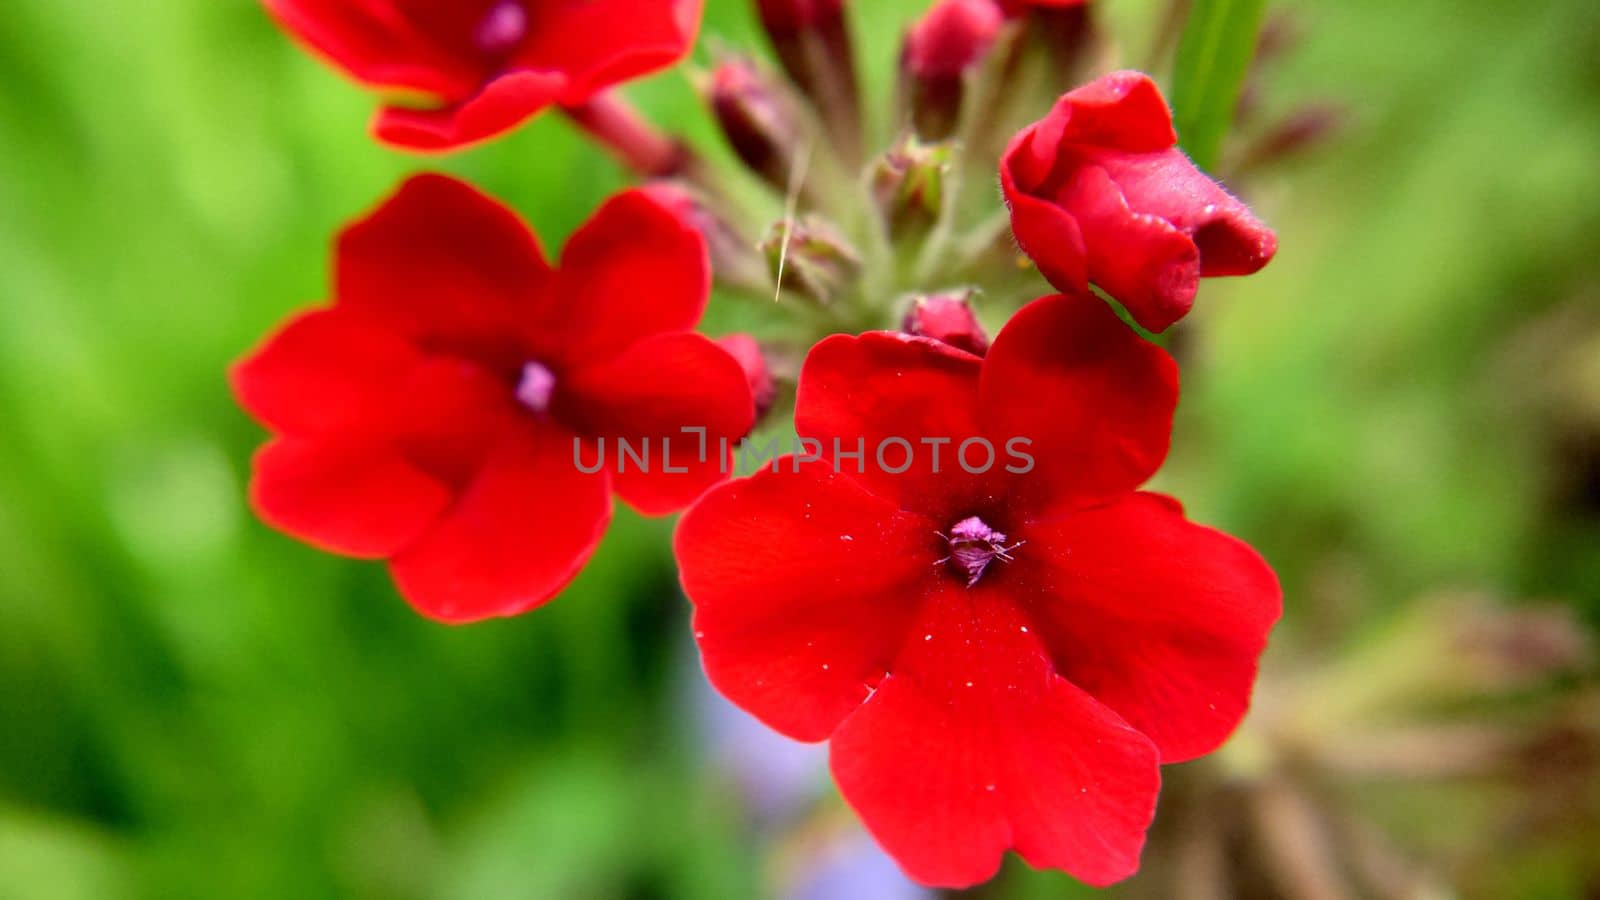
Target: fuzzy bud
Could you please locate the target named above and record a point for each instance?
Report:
(759, 121)
(908, 183)
(812, 256)
(812, 40)
(948, 318)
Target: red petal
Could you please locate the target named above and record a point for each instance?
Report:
(1142, 260)
(647, 397)
(1118, 111)
(1095, 399)
(1160, 619)
(879, 390)
(521, 531)
(804, 587)
(453, 414)
(449, 267)
(1231, 240)
(378, 45)
(600, 43)
(633, 271)
(360, 501)
(326, 371)
(1045, 231)
(499, 106)
(973, 745)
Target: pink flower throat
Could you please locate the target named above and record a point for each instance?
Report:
(974, 545)
(502, 28)
(536, 386)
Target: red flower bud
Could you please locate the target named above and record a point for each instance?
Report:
(760, 124)
(1099, 192)
(952, 37)
(812, 41)
(948, 318)
(793, 16)
(940, 50)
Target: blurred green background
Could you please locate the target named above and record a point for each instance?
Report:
(1405, 405)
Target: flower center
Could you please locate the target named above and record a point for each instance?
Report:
(502, 28)
(536, 386)
(974, 545)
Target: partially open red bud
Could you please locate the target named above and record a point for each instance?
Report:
(948, 318)
(949, 42)
(763, 387)
(812, 256)
(908, 183)
(759, 121)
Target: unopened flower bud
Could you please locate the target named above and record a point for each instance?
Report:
(763, 387)
(812, 41)
(789, 17)
(811, 256)
(940, 51)
(759, 121)
(948, 318)
(908, 183)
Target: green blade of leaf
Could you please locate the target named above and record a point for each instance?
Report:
(1219, 39)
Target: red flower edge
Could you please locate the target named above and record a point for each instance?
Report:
(478, 68)
(1000, 661)
(434, 414)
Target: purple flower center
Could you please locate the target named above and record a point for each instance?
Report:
(502, 29)
(974, 545)
(536, 386)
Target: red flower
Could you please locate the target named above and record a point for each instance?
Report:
(429, 416)
(1000, 659)
(482, 67)
(1100, 192)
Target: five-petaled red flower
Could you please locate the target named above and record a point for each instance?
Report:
(429, 415)
(1000, 660)
(1099, 192)
(476, 68)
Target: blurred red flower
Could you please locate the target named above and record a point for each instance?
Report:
(1099, 192)
(1000, 658)
(429, 415)
(472, 69)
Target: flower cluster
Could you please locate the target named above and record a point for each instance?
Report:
(999, 634)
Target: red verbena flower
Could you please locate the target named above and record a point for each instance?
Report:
(1003, 640)
(1099, 192)
(1018, 7)
(478, 68)
(429, 415)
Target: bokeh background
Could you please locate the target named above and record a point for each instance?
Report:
(1402, 412)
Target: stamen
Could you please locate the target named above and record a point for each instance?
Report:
(502, 28)
(536, 387)
(974, 545)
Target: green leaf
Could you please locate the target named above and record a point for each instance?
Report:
(1214, 54)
